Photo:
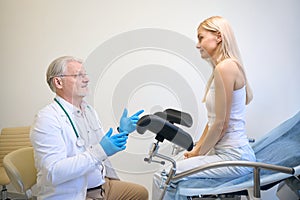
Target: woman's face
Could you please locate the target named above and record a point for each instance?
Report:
(207, 43)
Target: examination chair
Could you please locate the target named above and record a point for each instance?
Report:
(277, 153)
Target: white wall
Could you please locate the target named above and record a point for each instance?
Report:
(33, 33)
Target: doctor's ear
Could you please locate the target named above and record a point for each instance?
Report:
(57, 82)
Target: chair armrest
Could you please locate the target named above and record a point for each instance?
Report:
(287, 170)
(256, 171)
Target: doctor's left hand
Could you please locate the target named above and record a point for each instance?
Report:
(128, 124)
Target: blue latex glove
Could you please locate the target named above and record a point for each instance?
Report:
(129, 123)
(115, 143)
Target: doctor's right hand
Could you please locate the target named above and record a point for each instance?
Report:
(113, 144)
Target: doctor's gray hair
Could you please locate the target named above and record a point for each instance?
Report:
(58, 67)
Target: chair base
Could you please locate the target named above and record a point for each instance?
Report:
(4, 193)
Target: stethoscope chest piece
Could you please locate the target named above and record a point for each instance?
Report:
(80, 142)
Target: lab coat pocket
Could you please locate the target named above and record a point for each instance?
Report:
(94, 125)
(92, 119)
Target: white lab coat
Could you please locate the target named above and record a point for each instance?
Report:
(66, 170)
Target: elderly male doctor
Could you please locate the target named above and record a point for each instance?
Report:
(71, 149)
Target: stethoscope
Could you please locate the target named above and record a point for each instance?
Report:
(79, 142)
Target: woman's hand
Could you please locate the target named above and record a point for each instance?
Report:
(192, 153)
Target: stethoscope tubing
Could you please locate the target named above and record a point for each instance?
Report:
(75, 131)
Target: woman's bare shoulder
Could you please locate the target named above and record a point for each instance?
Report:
(227, 64)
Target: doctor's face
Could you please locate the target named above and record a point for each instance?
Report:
(75, 80)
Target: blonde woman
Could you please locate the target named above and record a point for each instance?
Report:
(226, 97)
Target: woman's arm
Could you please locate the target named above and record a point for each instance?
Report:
(196, 149)
(225, 75)
(224, 78)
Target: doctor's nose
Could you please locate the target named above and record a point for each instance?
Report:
(85, 78)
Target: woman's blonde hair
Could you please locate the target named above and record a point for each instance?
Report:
(228, 49)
